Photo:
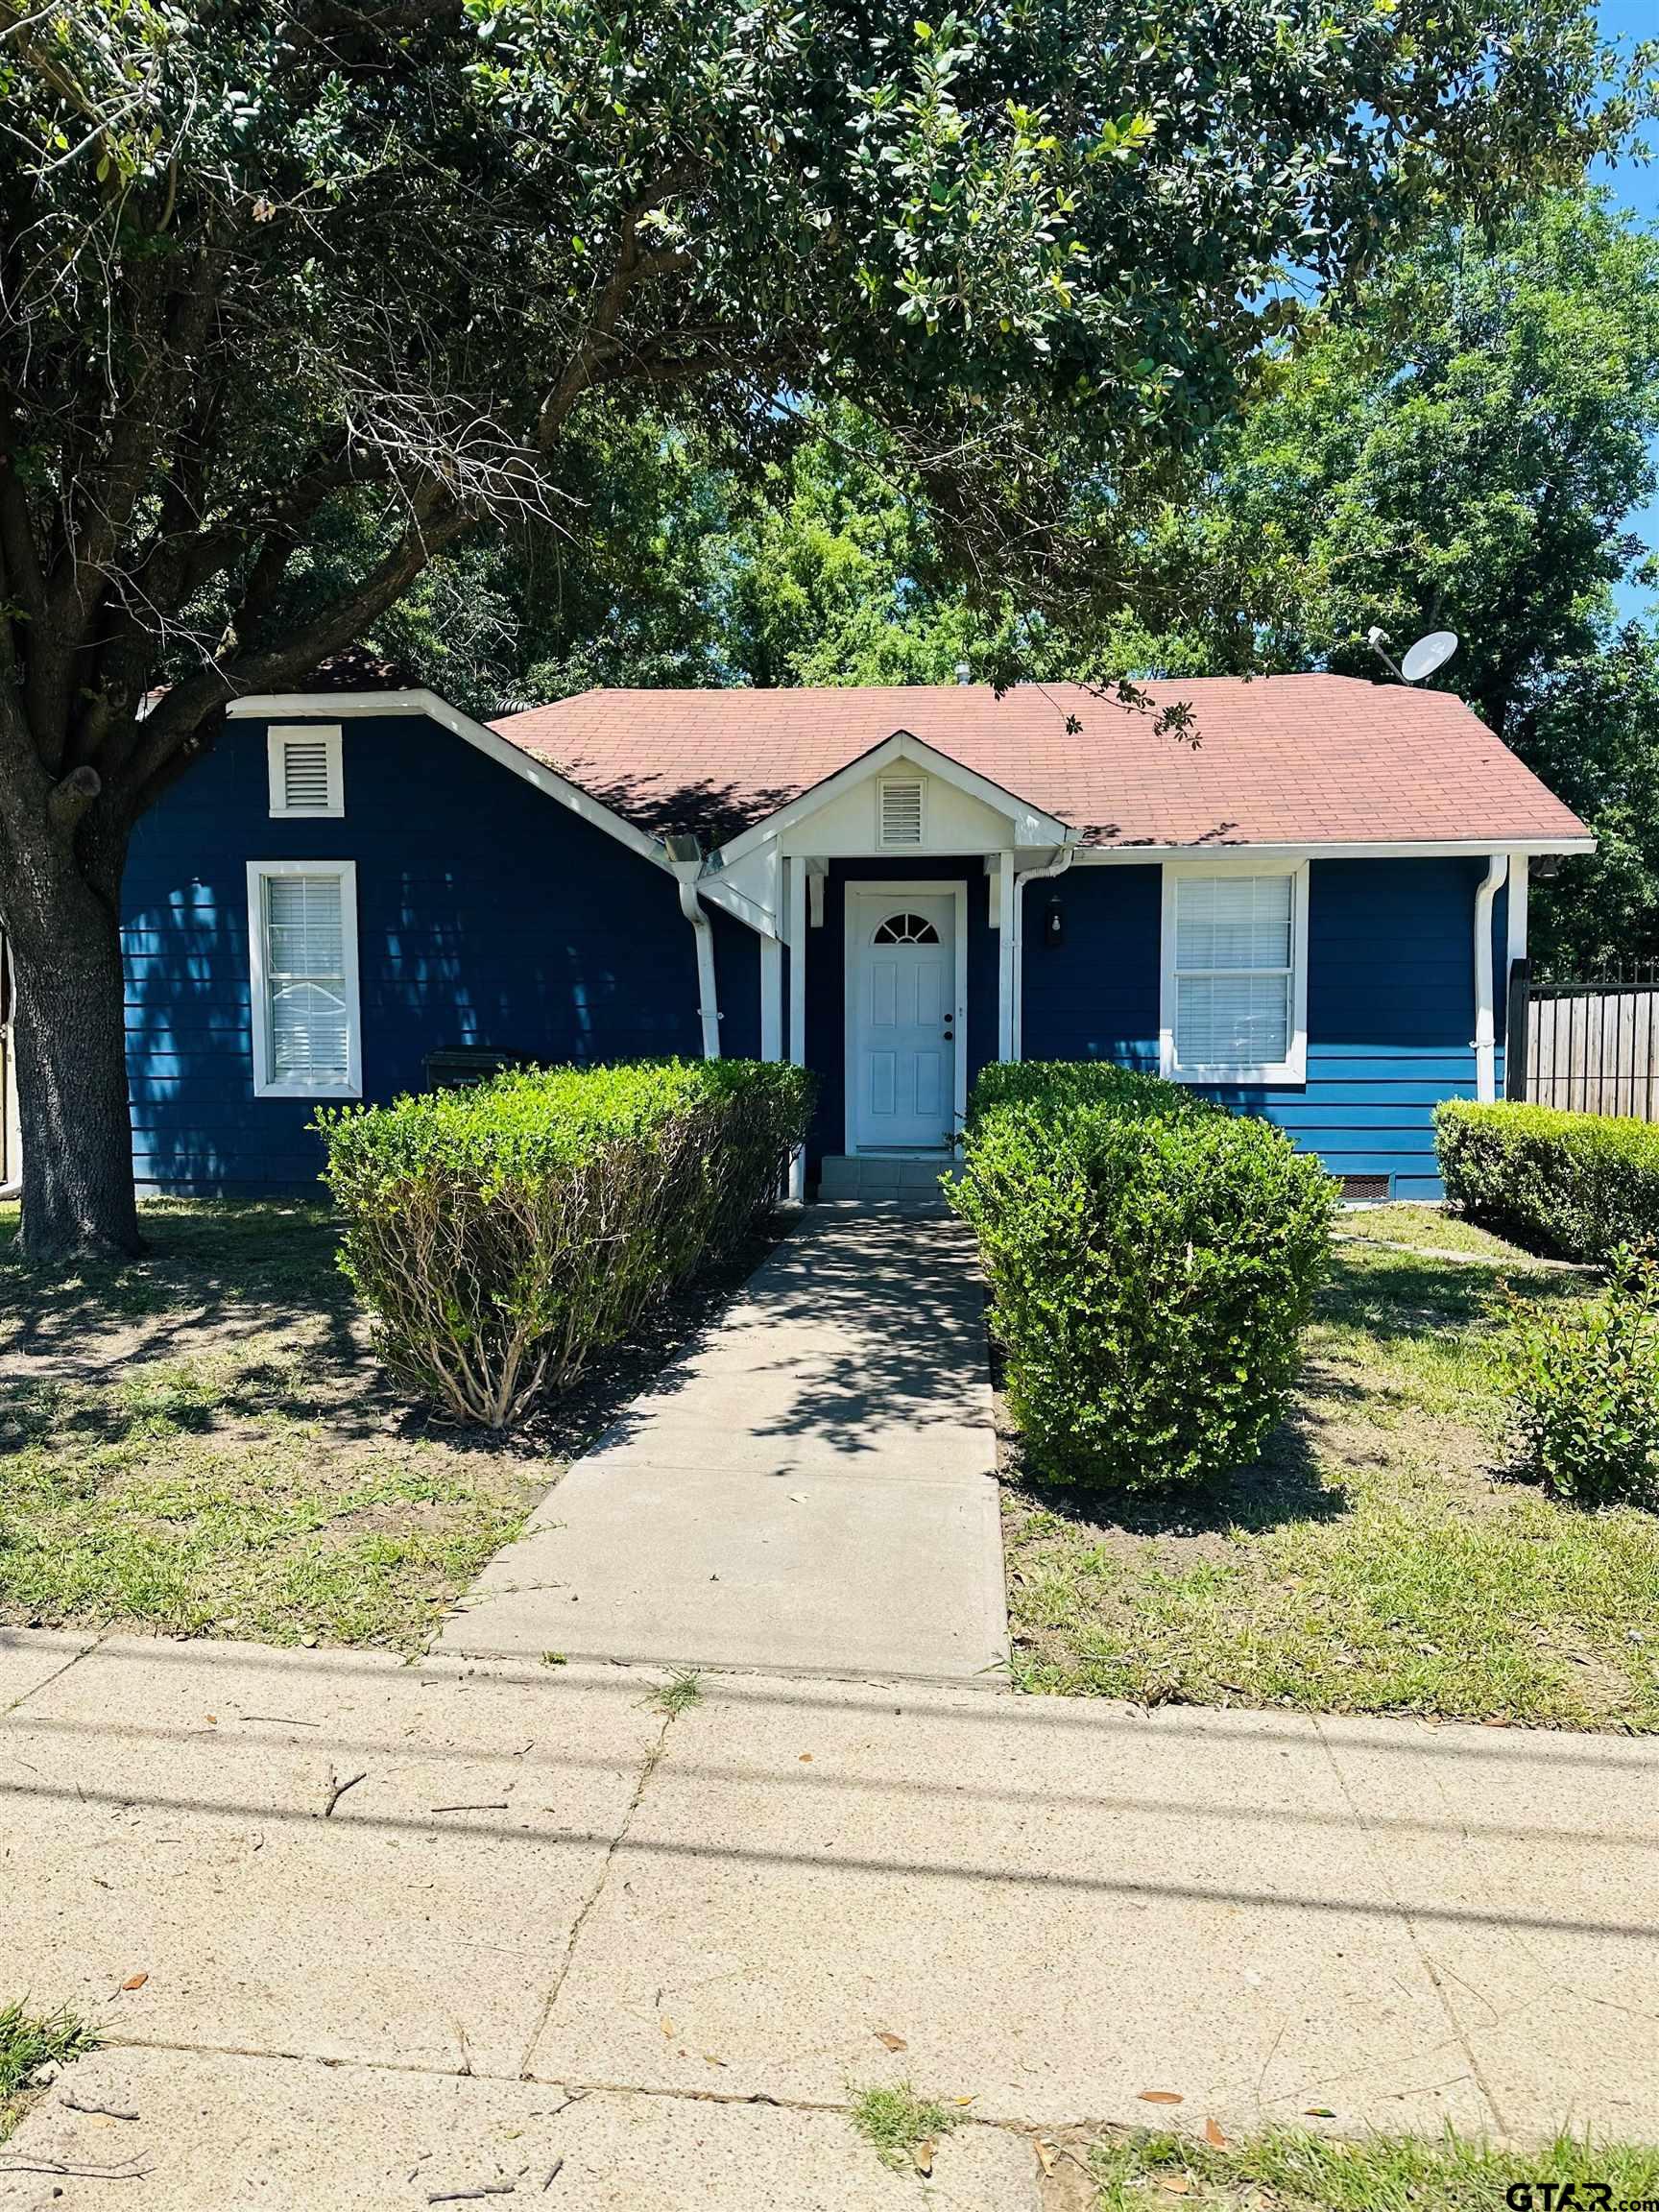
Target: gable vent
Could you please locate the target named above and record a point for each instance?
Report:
(306, 777)
(901, 810)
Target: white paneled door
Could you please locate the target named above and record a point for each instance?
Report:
(903, 1031)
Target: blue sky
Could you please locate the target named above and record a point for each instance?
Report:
(1626, 21)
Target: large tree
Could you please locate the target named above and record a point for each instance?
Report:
(1462, 443)
(262, 262)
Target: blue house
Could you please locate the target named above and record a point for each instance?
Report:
(1307, 905)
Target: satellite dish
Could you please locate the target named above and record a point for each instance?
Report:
(1428, 654)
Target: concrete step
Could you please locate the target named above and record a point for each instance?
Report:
(865, 1176)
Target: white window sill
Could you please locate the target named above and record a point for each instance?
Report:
(1286, 1073)
(319, 1091)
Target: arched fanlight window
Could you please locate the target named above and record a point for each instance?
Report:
(906, 929)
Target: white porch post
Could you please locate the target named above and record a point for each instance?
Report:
(1007, 951)
(771, 999)
(1485, 1028)
(795, 893)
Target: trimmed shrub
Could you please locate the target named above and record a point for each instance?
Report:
(501, 1235)
(1585, 1391)
(1152, 1260)
(1576, 1186)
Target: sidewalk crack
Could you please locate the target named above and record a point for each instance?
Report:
(58, 1672)
(653, 1759)
(1409, 1921)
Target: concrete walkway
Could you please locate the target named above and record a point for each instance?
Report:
(362, 1935)
(811, 1488)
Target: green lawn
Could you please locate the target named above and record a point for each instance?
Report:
(200, 1442)
(1294, 2171)
(1372, 1562)
(1429, 1228)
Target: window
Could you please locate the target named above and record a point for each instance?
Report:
(307, 778)
(303, 943)
(902, 809)
(905, 929)
(1234, 974)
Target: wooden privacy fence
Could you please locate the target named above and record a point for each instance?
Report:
(1592, 1046)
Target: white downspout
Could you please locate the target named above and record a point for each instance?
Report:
(687, 866)
(1485, 1021)
(1016, 923)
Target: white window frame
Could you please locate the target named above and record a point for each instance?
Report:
(265, 1086)
(1293, 1068)
(282, 734)
(919, 842)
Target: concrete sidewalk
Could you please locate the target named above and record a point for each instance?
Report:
(411, 1929)
(811, 1488)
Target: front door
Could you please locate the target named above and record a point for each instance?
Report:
(903, 976)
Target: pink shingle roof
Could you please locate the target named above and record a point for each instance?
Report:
(1280, 759)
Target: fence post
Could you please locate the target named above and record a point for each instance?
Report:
(1516, 1028)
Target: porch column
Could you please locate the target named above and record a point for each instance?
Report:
(795, 893)
(771, 997)
(1007, 953)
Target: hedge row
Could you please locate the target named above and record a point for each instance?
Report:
(1576, 1186)
(1152, 1260)
(501, 1235)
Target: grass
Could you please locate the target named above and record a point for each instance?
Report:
(29, 2044)
(682, 1691)
(201, 1442)
(898, 2125)
(1372, 1562)
(1293, 2170)
(1427, 1227)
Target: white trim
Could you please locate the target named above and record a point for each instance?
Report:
(1429, 849)
(795, 906)
(259, 872)
(1007, 948)
(529, 767)
(1518, 872)
(1031, 826)
(278, 739)
(1293, 1068)
(922, 887)
(771, 997)
(1485, 1006)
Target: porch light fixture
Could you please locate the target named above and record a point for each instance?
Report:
(1054, 920)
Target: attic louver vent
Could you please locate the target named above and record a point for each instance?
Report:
(305, 775)
(901, 810)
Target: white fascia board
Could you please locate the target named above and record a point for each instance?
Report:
(1031, 826)
(355, 706)
(1442, 849)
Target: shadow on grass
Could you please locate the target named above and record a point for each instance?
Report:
(180, 1341)
(219, 1267)
(1284, 1486)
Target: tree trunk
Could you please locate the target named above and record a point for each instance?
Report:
(69, 1031)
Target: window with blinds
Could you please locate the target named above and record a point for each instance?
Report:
(306, 776)
(902, 809)
(304, 979)
(1233, 972)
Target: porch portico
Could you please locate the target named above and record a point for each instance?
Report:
(888, 901)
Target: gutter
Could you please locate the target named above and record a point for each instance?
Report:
(1015, 921)
(1486, 1017)
(685, 859)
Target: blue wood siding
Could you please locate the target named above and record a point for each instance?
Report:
(827, 980)
(487, 915)
(1390, 1000)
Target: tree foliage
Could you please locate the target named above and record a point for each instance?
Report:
(313, 286)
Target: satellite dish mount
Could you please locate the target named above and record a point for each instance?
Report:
(1417, 662)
